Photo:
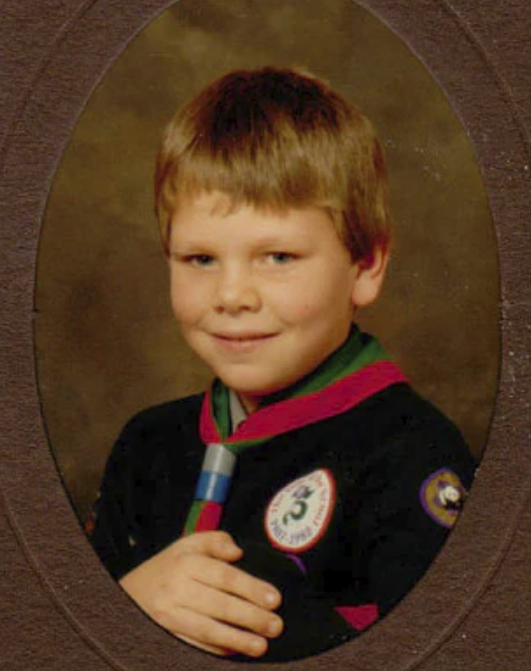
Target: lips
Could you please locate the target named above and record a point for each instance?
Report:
(241, 337)
(242, 342)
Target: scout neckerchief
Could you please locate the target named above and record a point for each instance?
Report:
(353, 373)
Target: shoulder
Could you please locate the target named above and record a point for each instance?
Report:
(170, 415)
(415, 467)
(399, 409)
(158, 429)
(413, 416)
(400, 402)
(398, 426)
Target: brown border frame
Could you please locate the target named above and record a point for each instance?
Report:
(60, 610)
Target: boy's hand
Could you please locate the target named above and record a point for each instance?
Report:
(191, 589)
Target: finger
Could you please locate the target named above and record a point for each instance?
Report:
(219, 636)
(204, 646)
(228, 578)
(218, 544)
(232, 610)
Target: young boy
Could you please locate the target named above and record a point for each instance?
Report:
(331, 485)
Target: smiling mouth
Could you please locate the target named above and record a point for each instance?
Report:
(242, 343)
(244, 337)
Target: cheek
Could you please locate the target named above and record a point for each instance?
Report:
(324, 308)
(184, 303)
(302, 310)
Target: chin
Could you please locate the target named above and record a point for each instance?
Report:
(249, 388)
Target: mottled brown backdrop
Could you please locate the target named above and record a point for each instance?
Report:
(60, 610)
(106, 343)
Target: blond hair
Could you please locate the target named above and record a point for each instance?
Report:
(277, 139)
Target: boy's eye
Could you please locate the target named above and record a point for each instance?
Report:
(280, 258)
(199, 260)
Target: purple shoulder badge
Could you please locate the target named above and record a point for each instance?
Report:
(442, 496)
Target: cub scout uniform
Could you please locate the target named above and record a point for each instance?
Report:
(341, 491)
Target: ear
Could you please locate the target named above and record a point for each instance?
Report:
(368, 278)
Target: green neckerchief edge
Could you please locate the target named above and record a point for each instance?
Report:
(359, 350)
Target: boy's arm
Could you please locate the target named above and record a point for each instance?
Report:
(404, 518)
(111, 527)
(190, 587)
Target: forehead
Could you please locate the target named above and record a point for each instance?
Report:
(218, 204)
(206, 204)
(217, 215)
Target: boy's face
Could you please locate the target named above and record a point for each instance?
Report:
(262, 298)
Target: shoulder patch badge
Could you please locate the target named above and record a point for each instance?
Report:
(442, 496)
(299, 514)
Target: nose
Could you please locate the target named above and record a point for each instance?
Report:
(237, 291)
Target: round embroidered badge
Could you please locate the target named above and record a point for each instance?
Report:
(442, 496)
(298, 515)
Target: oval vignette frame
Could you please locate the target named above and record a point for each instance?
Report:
(38, 508)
